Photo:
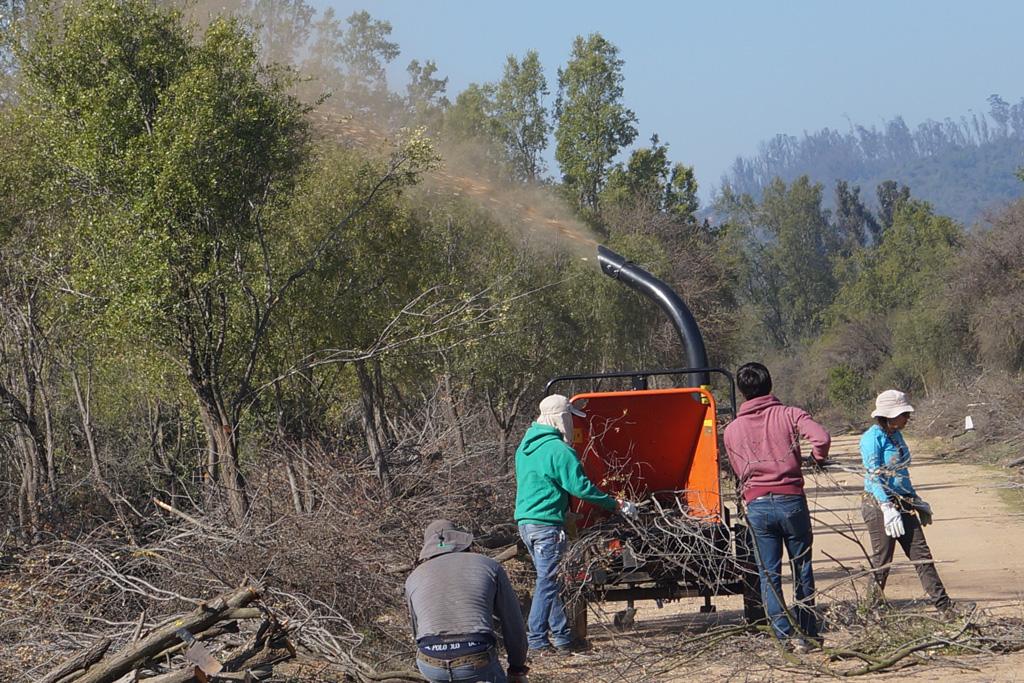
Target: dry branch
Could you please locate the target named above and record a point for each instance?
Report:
(200, 619)
(80, 661)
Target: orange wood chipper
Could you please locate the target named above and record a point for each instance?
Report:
(660, 446)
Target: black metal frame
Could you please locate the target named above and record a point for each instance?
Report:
(643, 375)
(628, 591)
(619, 268)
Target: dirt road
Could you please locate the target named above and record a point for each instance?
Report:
(977, 540)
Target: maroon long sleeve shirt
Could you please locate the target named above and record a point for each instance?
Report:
(763, 444)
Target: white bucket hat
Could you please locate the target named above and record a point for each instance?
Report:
(891, 403)
(556, 404)
(556, 411)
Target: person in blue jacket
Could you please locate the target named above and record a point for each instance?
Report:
(892, 509)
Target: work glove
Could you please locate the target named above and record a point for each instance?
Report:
(628, 509)
(924, 511)
(892, 519)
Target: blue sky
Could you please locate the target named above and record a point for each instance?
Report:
(713, 79)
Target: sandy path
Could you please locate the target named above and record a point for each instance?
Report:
(977, 540)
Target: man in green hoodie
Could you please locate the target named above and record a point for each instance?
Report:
(547, 473)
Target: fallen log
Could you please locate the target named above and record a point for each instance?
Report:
(208, 614)
(208, 634)
(261, 653)
(82, 660)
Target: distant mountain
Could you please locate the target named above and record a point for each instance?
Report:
(962, 167)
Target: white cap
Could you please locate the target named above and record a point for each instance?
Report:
(556, 404)
(891, 403)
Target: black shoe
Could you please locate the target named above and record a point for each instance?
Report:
(573, 647)
(538, 652)
(957, 610)
(799, 646)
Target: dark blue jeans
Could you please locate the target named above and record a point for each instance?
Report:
(778, 521)
(546, 544)
(491, 673)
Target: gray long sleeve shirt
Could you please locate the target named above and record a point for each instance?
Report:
(458, 594)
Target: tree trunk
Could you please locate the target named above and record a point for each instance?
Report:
(454, 419)
(503, 449)
(375, 442)
(158, 449)
(85, 411)
(51, 465)
(33, 489)
(283, 443)
(222, 439)
(28, 492)
(307, 488)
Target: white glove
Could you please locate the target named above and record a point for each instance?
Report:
(893, 520)
(924, 511)
(628, 509)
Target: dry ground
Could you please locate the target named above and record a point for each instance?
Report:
(977, 539)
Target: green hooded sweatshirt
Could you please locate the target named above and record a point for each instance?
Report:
(547, 473)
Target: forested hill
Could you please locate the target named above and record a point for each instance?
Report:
(962, 167)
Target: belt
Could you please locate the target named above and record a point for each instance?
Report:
(476, 660)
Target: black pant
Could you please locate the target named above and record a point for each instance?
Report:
(914, 545)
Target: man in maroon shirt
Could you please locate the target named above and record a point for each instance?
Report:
(763, 444)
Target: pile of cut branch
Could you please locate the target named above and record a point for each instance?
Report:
(206, 644)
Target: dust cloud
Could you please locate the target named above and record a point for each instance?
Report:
(533, 212)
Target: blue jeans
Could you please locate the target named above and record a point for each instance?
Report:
(778, 520)
(546, 544)
(492, 673)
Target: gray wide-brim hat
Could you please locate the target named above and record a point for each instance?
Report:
(441, 536)
(891, 403)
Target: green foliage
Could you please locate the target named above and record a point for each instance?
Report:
(521, 116)
(366, 52)
(282, 27)
(651, 180)
(592, 123)
(847, 389)
(144, 125)
(425, 93)
(891, 195)
(909, 263)
(855, 226)
(782, 253)
(471, 117)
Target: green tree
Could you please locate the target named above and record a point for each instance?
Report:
(782, 251)
(855, 225)
(351, 60)
(802, 254)
(283, 27)
(651, 180)
(471, 117)
(890, 196)
(592, 123)
(173, 148)
(520, 113)
(908, 264)
(425, 96)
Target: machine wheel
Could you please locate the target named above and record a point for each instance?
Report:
(753, 607)
(577, 614)
(624, 620)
